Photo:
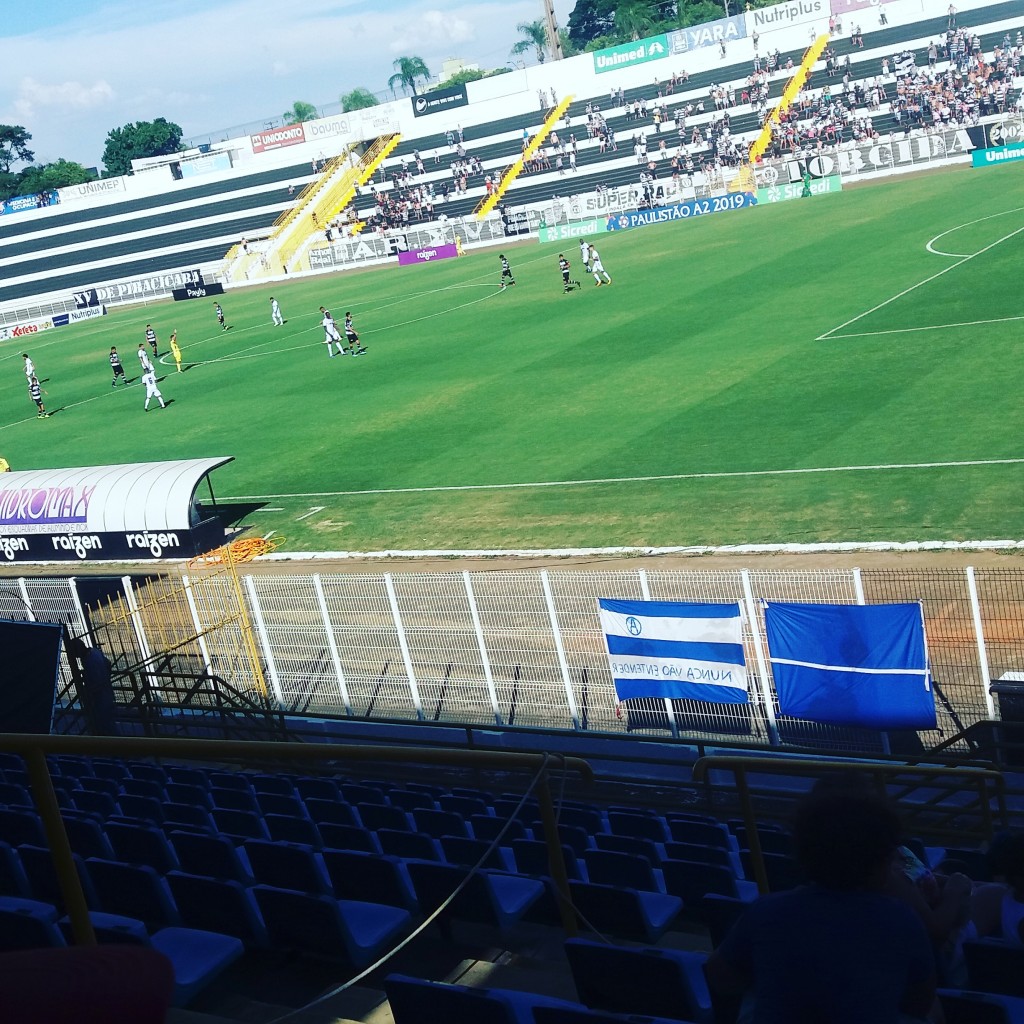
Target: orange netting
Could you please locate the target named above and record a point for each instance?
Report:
(243, 550)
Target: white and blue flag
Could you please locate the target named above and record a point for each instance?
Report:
(675, 649)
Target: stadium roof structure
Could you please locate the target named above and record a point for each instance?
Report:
(144, 496)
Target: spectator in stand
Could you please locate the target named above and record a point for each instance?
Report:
(839, 949)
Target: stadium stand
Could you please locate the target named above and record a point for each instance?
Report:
(650, 135)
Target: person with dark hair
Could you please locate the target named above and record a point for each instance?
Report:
(839, 949)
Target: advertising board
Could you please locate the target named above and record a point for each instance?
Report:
(438, 100)
(438, 252)
(278, 138)
(629, 54)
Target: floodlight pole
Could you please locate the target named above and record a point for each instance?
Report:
(551, 27)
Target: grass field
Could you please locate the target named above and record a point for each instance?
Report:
(717, 393)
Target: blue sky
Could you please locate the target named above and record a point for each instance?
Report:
(75, 69)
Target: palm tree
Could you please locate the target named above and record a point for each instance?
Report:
(407, 70)
(358, 99)
(634, 18)
(301, 111)
(535, 35)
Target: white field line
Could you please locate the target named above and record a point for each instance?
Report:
(964, 255)
(828, 335)
(933, 327)
(882, 467)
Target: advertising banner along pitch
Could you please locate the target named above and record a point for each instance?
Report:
(860, 665)
(675, 649)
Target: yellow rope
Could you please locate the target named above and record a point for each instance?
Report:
(242, 550)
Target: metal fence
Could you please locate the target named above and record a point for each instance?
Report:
(525, 647)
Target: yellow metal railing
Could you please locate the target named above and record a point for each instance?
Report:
(920, 792)
(333, 197)
(514, 169)
(34, 750)
(790, 93)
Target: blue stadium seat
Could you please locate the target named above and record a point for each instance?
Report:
(142, 844)
(635, 845)
(348, 837)
(609, 867)
(692, 881)
(626, 913)
(216, 904)
(213, 856)
(700, 833)
(416, 1001)
(653, 982)
(489, 898)
(531, 856)
(143, 787)
(440, 823)
(700, 854)
(378, 816)
(354, 793)
(642, 826)
(144, 808)
(284, 828)
(28, 924)
(86, 837)
(12, 795)
(12, 875)
(354, 932)
(485, 826)
(279, 803)
(468, 852)
(995, 966)
(240, 825)
(146, 770)
(371, 877)
(412, 800)
(276, 784)
(193, 815)
(960, 1007)
(21, 826)
(42, 877)
(317, 788)
(409, 845)
(230, 780)
(284, 866)
(133, 890)
(188, 794)
(234, 800)
(180, 775)
(572, 1015)
(464, 806)
(333, 812)
(718, 914)
(588, 818)
(102, 804)
(101, 784)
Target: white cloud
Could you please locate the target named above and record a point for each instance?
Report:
(33, 95)
(433, 28)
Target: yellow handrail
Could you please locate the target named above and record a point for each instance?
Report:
(513, 170)
(988, 782)
(34, 749)
(793, 87)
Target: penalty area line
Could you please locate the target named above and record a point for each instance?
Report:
(882, 467)
(933, 327)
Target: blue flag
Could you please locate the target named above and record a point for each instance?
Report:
(847, 664)
(674, 649)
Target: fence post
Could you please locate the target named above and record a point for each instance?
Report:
(645, 593)
(261, 628)
(73, 588)
(484, 659)
(133, 610)
(321, 599)
(979, 636)
(858, 590)
(410, 674)
(203, 649)
(762, 662)
(25, 598)
(563, 664)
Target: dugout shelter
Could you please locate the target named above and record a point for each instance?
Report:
(139, 512)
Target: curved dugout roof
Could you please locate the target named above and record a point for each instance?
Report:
(103, 499)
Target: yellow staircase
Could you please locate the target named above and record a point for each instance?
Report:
(337, 191)
(315, 206)
(790, 93)
(513, 170)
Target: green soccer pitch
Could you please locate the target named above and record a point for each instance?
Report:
(841, 368)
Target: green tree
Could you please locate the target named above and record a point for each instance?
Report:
(137, 141)
(465, 76)
(700, 12)
(535, 37)
(358, 99)
(569, 48)
(635, 18)
(301, 111)
(52, 176)
(589, 20)
(14, 142)
(407, 70)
